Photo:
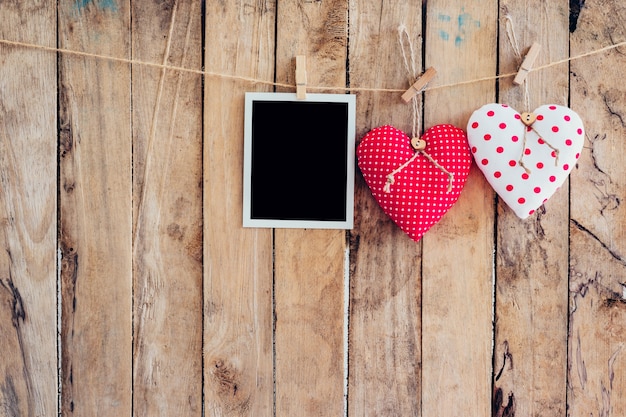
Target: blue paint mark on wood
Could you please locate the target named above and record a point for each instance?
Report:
(463, 19)
(100, 4)
(460, 28)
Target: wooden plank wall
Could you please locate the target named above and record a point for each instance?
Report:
(128, 286)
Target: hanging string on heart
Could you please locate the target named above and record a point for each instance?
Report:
(512, 37)
(418, 144)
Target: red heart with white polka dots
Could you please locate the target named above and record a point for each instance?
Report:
(525, 161)
(420, 190)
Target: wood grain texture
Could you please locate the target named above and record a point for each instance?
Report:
(28, 338)
(385, 305)
(95, 210)
(532, 254)
(457, 252)
(309, 264)
(597, 331)
(238, 355)
(167, 178)
(121, 193)
(309, 323)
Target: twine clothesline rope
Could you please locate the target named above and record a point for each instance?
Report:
(253, 80)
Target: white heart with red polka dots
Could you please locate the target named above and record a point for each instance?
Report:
(525, 165)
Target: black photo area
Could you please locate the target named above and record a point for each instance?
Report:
(299, 160)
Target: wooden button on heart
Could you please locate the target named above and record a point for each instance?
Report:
(418, 144)
(528, 118)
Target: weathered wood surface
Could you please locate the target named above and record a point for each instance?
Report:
(532, 256)
(28, 213)
(167, 210)
(128, 286)
(238, 337)
(95, 210)
(457, 253)
(385, 326)
(310, 264)
(597, 298)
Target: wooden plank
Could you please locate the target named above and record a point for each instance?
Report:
(385, 284)
(457, 253)
(167, 167)
(532, 254)
(597, 355)
(597, 331)
(238, 355)
(309, 322)
(28, 169)
(95, 209)
(309, 264)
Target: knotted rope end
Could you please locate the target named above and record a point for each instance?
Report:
(390, 181)
(450, 182)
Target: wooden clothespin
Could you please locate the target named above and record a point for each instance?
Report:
(527, 65)
(421, 82)
(301, 77)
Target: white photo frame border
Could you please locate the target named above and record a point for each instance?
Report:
(248, 220)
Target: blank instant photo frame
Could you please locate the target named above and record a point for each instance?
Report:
(299, 161)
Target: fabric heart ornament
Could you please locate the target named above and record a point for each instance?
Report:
(525, 157)
(415, 188)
